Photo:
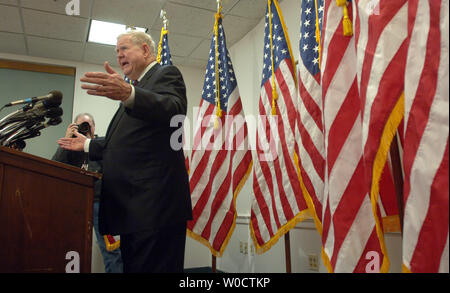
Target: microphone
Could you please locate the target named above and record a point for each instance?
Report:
(30, 132)
(52, 97)
(10, 128)
(52, 102)
(37, 114)
(27, 120)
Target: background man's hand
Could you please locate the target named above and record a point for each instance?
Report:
(71, 130)
(109, 84)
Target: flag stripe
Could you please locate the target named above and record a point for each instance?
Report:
(382, 65)
(310, 105)
(426, 148)
(349, 226)
(381, 57)
(201, 157)
(311, 151)
(432, 234)
(310, 120)
(220, 191)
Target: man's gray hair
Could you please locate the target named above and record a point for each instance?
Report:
(140, 38)
(84, 114)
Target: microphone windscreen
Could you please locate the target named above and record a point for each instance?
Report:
(54, 112)
(54, 100)
(54, 121)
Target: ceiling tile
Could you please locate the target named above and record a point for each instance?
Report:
(49, 32)
(98, 54)
(207, 4)
(12, 43)
(56, 26)
(186, 20)
(180, 45)
(9, 2)
(55, 49)
(202, 51)
(191, 62)
(236, 27)
(57, 6)
(156, 36)
(249, 8)
(141, 13)
(10, 19)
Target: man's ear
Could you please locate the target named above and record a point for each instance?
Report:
(146, 49)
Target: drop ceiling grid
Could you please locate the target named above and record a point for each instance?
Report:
(42, 28)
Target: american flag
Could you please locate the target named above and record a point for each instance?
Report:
(278, 202)
(310, 121)
(221, 160)
(350, 240)
(381, 58)
(426, 139)
(111, 242)
(164, 57)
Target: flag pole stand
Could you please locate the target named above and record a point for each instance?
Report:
(287, 250)
(398, 177)
(214, 263)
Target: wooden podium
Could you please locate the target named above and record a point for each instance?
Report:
(45, 214)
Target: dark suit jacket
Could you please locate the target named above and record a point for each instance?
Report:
(145, 182)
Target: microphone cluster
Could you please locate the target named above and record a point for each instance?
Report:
(27, 122)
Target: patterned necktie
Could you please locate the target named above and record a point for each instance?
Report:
(133, 82)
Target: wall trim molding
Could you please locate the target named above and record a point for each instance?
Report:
(37, 67)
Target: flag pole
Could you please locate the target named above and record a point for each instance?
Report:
(219, 7)
(398, 177)
(287, 250)
(214, 263)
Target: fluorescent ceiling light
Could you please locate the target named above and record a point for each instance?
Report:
(107, 32)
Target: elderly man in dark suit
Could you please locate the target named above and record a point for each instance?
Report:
(145, 191)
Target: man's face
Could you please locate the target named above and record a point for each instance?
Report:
(131, 57)
(85, 118)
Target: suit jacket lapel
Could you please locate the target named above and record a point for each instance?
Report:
(147, 76)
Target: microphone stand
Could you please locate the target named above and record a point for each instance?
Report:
(5, 120)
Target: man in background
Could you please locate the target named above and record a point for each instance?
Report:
(145, 192)
(111, 259)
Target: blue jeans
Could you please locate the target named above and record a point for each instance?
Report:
(111, 259)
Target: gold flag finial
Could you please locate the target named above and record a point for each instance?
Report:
(219, 5)
(163, 15)
(164, 31)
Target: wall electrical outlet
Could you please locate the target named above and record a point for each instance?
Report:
(313, 262)
(252, 249)
(246, 248)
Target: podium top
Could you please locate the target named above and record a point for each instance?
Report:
(11, 157)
